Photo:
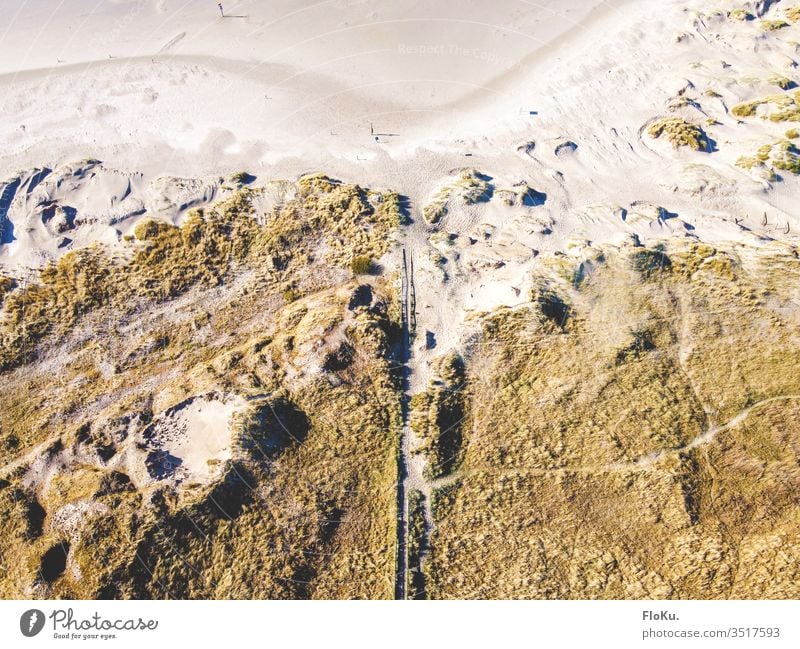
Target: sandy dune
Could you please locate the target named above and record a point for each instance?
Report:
(527, 139)
(172, 98)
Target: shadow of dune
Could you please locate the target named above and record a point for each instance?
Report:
(6, 226)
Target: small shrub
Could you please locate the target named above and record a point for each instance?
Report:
(789, 110)
(745, 109)
(746, 162)
(782, 155)
(773, 25)
(434, 212)
(7, 284)
(241, 178)
(787, 157)
(790, 114)
(740, 14)
(784, 83)
(680, 133)
(291, 295)
(393, 207)
(361, 265)
(150, 229)
(763, 152)
(649, 262)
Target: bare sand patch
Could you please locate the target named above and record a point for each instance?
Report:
(188, 443)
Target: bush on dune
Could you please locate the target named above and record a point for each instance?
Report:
(679, 133)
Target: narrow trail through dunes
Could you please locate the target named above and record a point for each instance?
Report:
(412, 484)
(401, 570)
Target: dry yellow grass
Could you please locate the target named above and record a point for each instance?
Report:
(679, 133)
(100, 346)
(471, 186)
(579, 476)
(773, 25)
(782, 155)
(740, 14)
(782, 108)
(564, 444)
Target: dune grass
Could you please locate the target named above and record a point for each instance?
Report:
(680, 133)
(470, 185)
(560, 492)
(437, 417)
(101, 345)
(782, 108)
(773, 25)
(792, 14)
(782, 155)
(784, 83)
(740, 14)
